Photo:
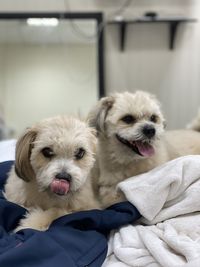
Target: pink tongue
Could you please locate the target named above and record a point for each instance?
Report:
(145, 149)
(60, 186)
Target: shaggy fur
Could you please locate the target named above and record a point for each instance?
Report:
(50, 176)
(132, 140)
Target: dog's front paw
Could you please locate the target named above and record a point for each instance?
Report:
(25, 225)
(18, 229)
(37, 219)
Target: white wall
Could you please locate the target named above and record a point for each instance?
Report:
(146, 63)
(43, 81)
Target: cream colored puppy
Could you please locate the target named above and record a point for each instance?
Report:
(132, 140)
(51, 173)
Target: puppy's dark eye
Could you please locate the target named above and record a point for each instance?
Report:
(47, 152)
(79, 154)
(153, 118)
(128, 119)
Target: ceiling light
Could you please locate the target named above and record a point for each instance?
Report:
(52, 22)
(118, 18)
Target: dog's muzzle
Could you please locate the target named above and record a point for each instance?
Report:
(140, 147)
(61, 183)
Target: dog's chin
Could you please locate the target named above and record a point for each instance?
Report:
(141, 148)
(60, 188)
(61, 193)
(57, 189)
(55, 195)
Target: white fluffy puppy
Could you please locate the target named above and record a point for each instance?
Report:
(51, 172)
(132, 140)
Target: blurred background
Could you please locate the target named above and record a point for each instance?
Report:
(63, 65)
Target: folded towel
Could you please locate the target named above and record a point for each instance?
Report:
(168, 198)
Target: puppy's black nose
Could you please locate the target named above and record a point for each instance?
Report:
(149, 131)
(64, 176)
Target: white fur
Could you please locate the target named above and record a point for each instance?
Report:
(115, 161)
(30, 186)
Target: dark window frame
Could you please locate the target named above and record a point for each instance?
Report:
(98, 16)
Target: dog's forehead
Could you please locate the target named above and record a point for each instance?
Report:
(62, 133)
(139, 103)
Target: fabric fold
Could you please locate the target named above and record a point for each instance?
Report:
(168, 235)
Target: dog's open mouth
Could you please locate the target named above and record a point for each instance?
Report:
(60, 186)
(141, 148)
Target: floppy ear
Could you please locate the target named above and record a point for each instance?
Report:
(24, 145)
(98, 114)
(93, 139)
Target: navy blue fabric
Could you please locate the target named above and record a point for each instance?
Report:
(74, 240)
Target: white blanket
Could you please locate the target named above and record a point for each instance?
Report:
(168, 235)
(7, 150)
